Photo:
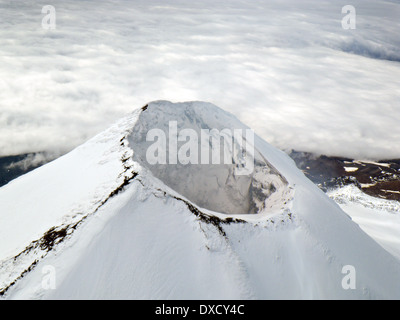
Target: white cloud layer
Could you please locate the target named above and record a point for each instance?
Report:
(286, 68)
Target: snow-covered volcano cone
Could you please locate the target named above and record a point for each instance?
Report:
(109, 221)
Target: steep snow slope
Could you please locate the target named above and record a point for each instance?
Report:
(110, 228)
(379, 218)
(38, 209)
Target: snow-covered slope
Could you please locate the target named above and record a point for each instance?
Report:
(111, 226)
(379, 218)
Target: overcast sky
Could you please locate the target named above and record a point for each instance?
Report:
(285, 68)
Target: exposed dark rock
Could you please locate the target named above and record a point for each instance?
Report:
(9, 172)
(378, 179)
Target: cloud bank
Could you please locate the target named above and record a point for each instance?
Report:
(287, 69)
